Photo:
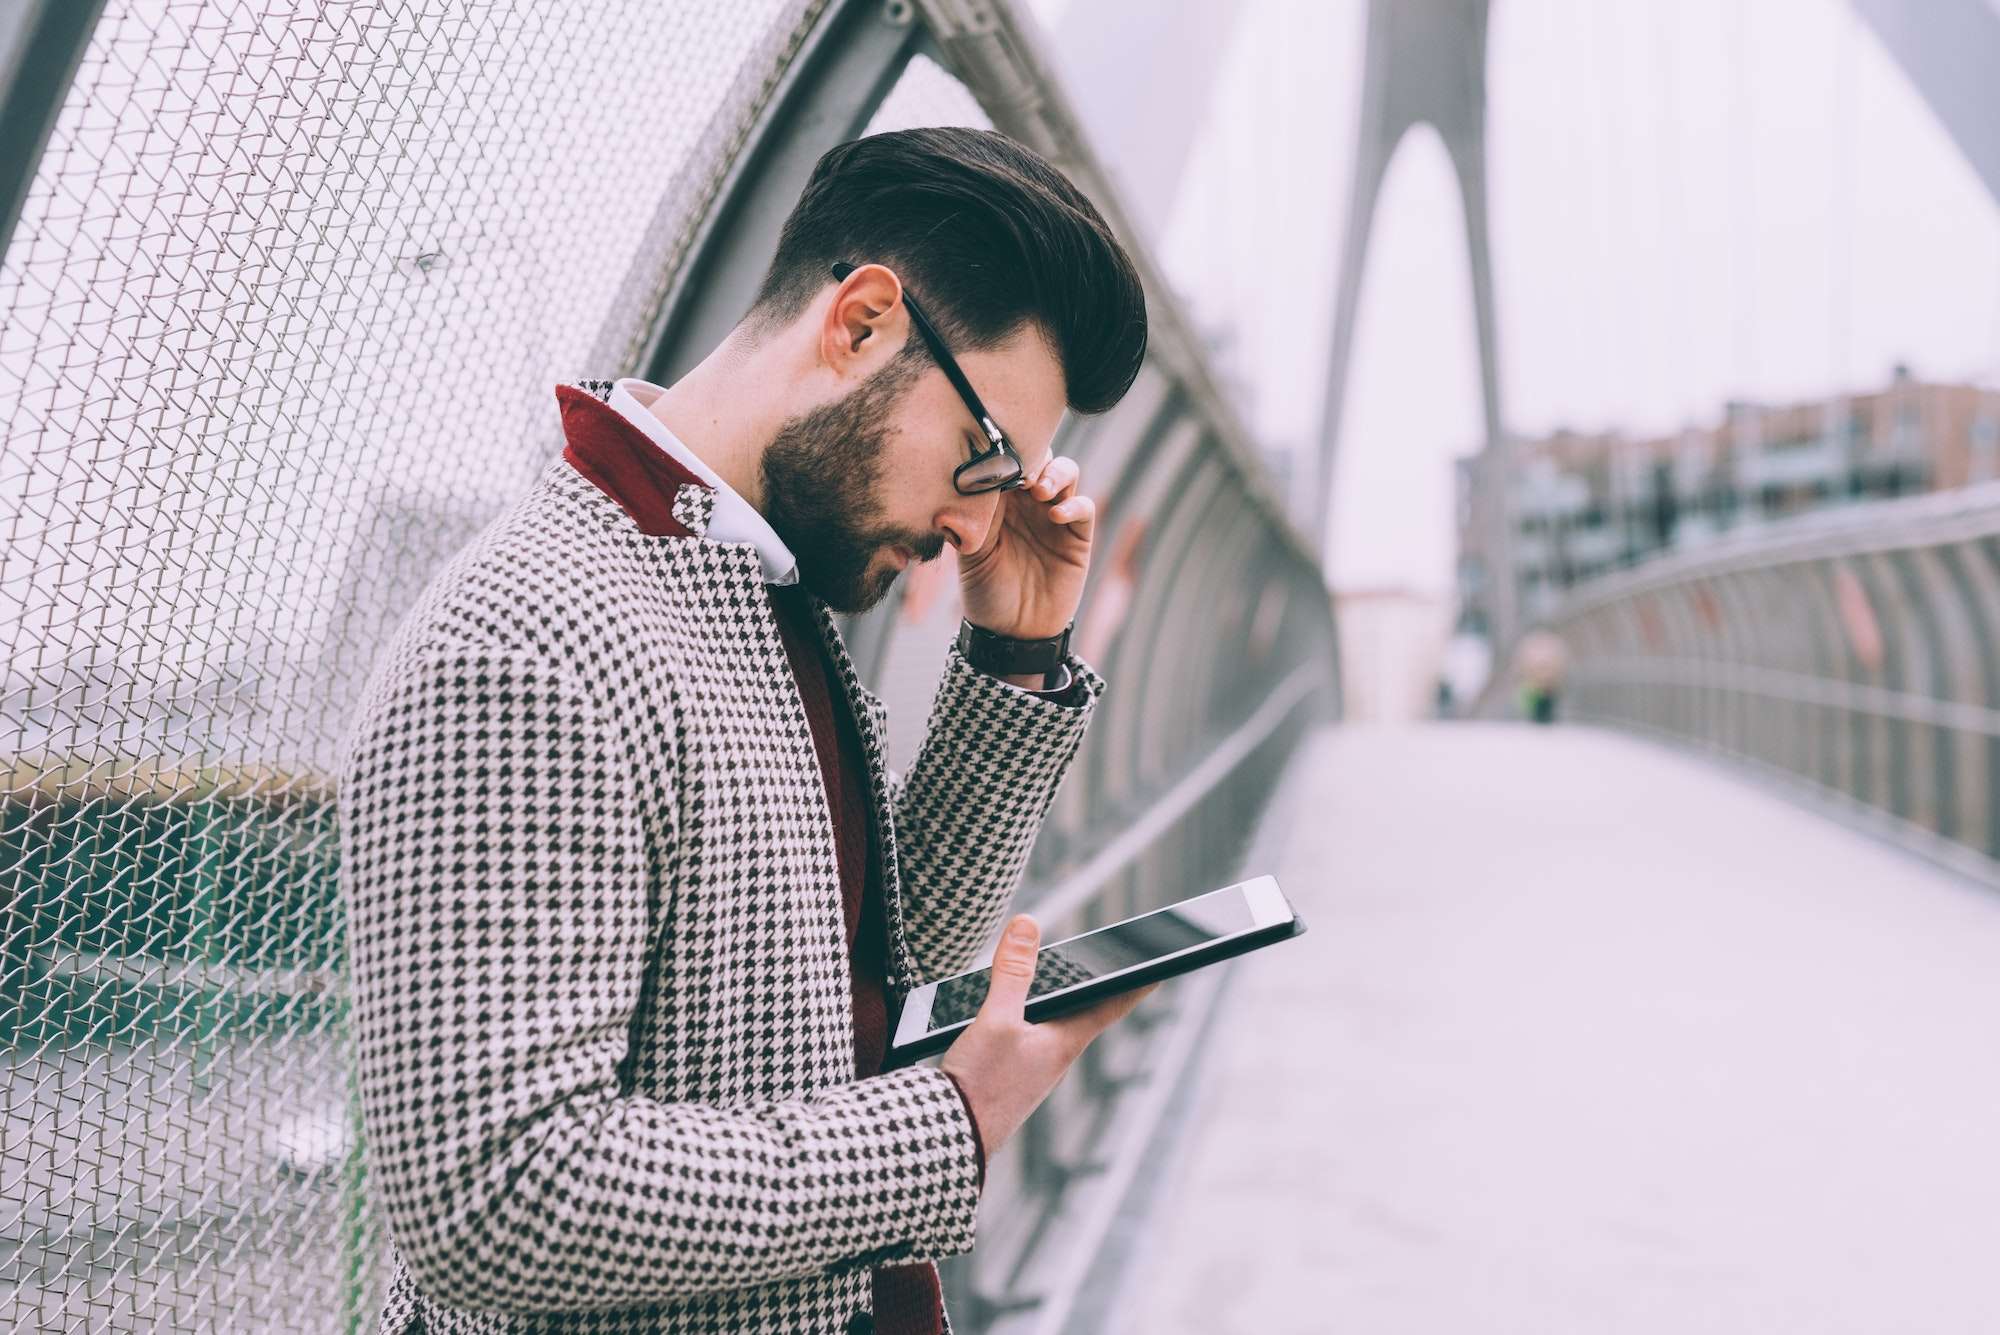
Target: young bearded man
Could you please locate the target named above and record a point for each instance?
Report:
(632, 896)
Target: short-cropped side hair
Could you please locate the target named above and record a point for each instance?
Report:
(987, 234)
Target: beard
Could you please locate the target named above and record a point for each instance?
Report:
(821, 471)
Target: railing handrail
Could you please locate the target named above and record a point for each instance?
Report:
(1872, 526)
(1080, 887)
(1797, 688)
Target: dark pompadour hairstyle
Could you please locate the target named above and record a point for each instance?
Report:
(987, 234)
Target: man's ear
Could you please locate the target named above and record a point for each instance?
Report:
(865, 323)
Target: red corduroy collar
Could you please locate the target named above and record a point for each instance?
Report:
(622, 463)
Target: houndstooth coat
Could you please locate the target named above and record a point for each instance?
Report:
(600, 982)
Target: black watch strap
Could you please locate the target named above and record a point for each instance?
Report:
(1008, 657)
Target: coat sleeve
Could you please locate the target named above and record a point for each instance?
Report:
(969, 809)
(496, 882)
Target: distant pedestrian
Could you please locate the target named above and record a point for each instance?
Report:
(1540, 663)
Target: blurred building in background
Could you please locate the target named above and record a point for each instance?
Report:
(1392, 650)
(1583, 504)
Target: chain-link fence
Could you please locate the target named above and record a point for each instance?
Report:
(279, 324)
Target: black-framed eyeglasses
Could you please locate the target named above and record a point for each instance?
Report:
(998, 467)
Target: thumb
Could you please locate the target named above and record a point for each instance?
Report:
(1013, 969)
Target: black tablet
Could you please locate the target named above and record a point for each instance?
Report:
(1073, 972)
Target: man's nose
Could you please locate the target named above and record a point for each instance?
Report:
(969, 525)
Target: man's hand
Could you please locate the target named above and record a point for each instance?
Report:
(1026, 579)
(1007, 1066)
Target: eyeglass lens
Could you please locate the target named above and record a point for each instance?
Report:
(995, 470)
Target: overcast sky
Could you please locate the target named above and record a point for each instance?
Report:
(1693, 200)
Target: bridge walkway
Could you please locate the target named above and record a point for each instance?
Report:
(1587, 1035)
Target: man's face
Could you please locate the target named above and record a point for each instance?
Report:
(860, 487)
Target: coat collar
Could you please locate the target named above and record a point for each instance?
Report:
(734, 519)
(617, 457)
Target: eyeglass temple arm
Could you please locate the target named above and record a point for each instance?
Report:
(943, 356)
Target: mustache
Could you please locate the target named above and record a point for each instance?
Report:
(927, 548)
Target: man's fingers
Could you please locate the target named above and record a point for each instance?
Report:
(1058, 478)
(1087, 1024)
(1115, 1008)
(1074, 511)
(1013, 969)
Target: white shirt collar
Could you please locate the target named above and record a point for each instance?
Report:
(735, 519)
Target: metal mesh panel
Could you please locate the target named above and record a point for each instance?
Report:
(278, 331)
(925, 93)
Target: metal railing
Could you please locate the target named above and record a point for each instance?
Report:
(238, 316)
(1854, 654)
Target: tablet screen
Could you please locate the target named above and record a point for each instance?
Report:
(1107, 950)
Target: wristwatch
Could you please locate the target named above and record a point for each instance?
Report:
(1004, 656)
